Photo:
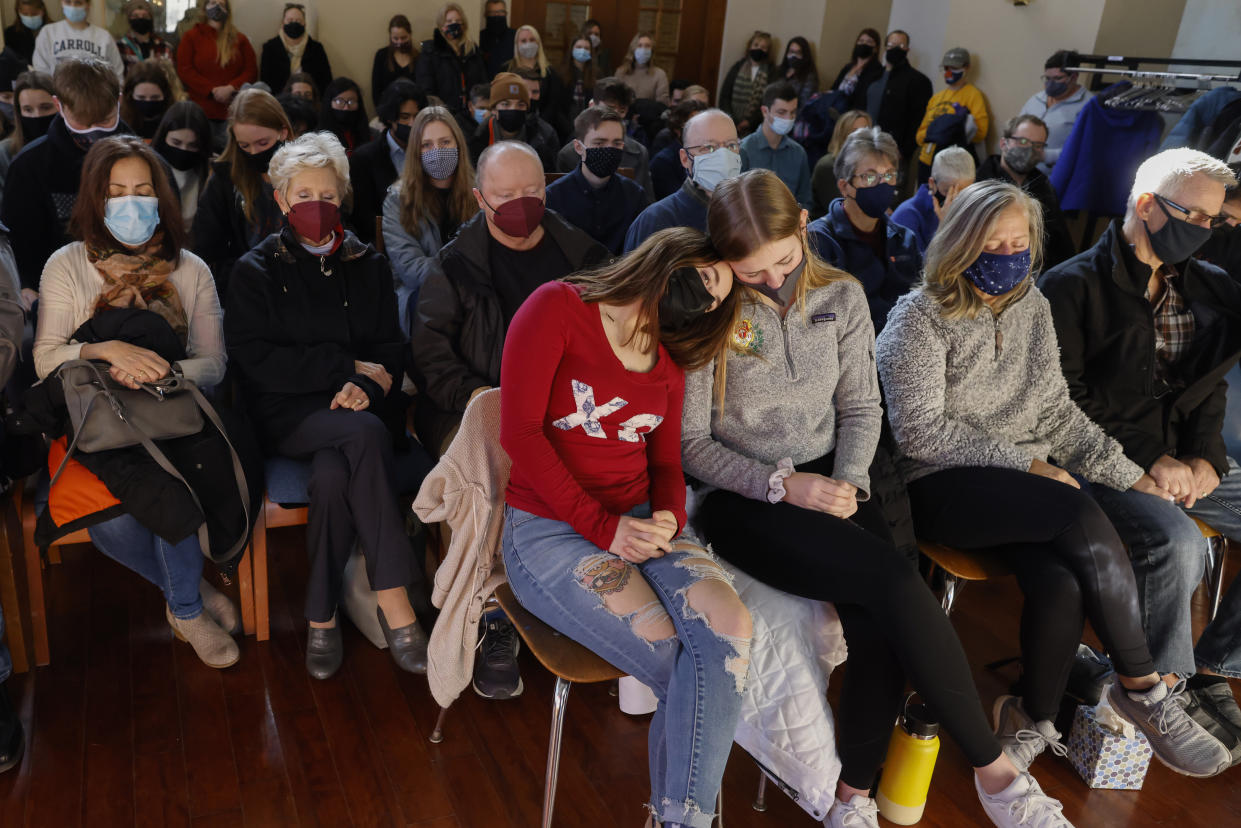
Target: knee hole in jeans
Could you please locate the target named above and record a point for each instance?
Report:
(713, 599)
(623, 592)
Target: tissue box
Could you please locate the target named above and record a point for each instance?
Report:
(1105, 758)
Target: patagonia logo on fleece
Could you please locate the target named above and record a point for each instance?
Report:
(822, 317)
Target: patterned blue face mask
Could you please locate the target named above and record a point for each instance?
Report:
(132, 220)
(996, 274)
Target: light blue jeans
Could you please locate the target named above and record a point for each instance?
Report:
(1168, 554)
(674, 623)
(176, 568)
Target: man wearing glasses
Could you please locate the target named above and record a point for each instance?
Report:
(1021, 149)
(1147, 333)
(1058, 104)
(711, 154)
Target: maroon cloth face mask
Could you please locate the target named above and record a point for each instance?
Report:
(518, 218)
(314, 220)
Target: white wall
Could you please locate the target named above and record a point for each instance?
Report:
(783, 18)
(1210, 29)
(927, 24)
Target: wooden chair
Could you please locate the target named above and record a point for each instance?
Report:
(15, 629)
(283, 505)
(960, 566)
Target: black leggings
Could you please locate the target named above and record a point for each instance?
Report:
(1069, 561)
(892, 623)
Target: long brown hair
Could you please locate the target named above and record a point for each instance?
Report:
(146, 71)
(642, 276)
(399, 21)
(416, 187)
(258, 108)
(86, 222)
(588, 71)
(961, 237)
(26, 80)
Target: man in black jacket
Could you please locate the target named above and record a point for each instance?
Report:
(512, 119)
(495, 41)
(897, 101)
(1147, 334)
(376, 164)
(1021, 150)
(496, 260)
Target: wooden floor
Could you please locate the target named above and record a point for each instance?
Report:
(127, 728)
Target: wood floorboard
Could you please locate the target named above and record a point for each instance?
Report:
(126, 727)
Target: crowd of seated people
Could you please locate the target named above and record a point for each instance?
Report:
(769, 288)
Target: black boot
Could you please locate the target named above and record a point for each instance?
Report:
(12, 737)
(324, 651)
(408, 644)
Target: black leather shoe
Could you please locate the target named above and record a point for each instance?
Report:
(12, 737)
(324, 651)
(408, 644)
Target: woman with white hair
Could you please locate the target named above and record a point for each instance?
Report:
(989, 442)
(312, 329)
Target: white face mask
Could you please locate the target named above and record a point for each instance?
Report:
(781, 126)
(711, 170)
(528, 50)
(642, 55)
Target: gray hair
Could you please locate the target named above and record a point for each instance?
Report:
(861, 144)
(1164, 172)
(499, 148)
(312, 151)
(952, 165)
(701, 116)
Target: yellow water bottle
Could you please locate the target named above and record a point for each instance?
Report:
(908, 768)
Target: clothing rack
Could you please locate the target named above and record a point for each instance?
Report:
(1100, 65)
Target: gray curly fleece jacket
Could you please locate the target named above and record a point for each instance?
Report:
(987, 392)
(801, 387)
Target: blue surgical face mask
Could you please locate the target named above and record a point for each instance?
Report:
(132, 220)
(581, 55)
(74, 14)
(32, 21)
(480, 115)
(781, 126)
(642, 55)
(711, 170)
(996, 273)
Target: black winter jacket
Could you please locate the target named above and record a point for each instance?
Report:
(536, 133)
(443, 73)
(274, 66)
(458, 331)
(1105, 326)
(222, 235)
(902, 106)
(295, 323)
(871, 72)
(370, 174)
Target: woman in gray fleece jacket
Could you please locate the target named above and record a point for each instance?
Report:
(783, 429)
(980, 408)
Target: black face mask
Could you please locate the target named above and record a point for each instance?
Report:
(454, 30)
(939, 197)
(897, 57)
(862, 51)
(35, 127)
(344, 117)
(258, 161)
(685, 300)
(603, 161)
(783, 295)
(400, 133)
(294, 30)
(511, 120)
(142, 25)
(1177, 240)
(758, 55)
(151, 109)
(497, 22)
(178, 157)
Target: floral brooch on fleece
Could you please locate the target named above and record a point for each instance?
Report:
(748, 337)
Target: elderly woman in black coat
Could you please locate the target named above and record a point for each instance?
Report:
(312, 330)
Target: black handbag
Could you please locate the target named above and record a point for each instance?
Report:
(105, 414)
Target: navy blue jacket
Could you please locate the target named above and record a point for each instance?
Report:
(687, 207)
(833, 238)
(667, 173)
(604, 214)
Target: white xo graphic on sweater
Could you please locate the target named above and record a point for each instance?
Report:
(588, 416)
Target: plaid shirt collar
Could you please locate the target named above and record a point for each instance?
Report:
(1174, 324)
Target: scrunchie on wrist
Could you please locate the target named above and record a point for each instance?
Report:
(775, 483)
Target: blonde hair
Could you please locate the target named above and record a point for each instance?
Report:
(258, 108)
(961, 237)
(540, 60)
(845, 125)
(630, 64)
(226, 39)
(415, 186)
(312, 151)
(467, 45)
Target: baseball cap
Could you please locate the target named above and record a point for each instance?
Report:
(955, 58)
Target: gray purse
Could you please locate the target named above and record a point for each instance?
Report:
(108, 415)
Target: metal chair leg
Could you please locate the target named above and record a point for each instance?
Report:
(719, 807)
(951, 584)
(437, 735)
(760, 799)
(1215, 574)
(559, 696)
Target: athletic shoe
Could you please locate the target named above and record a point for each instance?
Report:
(1023, 738)
(1022, 803)
(858, 812)
(495, 667)
(1177, 740)
(1213, 706)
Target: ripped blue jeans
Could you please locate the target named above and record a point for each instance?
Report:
(674, 622)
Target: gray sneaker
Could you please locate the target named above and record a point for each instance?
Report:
(1216, 710)
(1023, 738)
(1178, 741)
(1022, 803)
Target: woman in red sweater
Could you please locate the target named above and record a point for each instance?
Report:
(592, 383)
(214, 60)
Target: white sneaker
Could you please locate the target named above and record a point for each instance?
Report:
(1023, 738)
(1022, 803)
(859, 812)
